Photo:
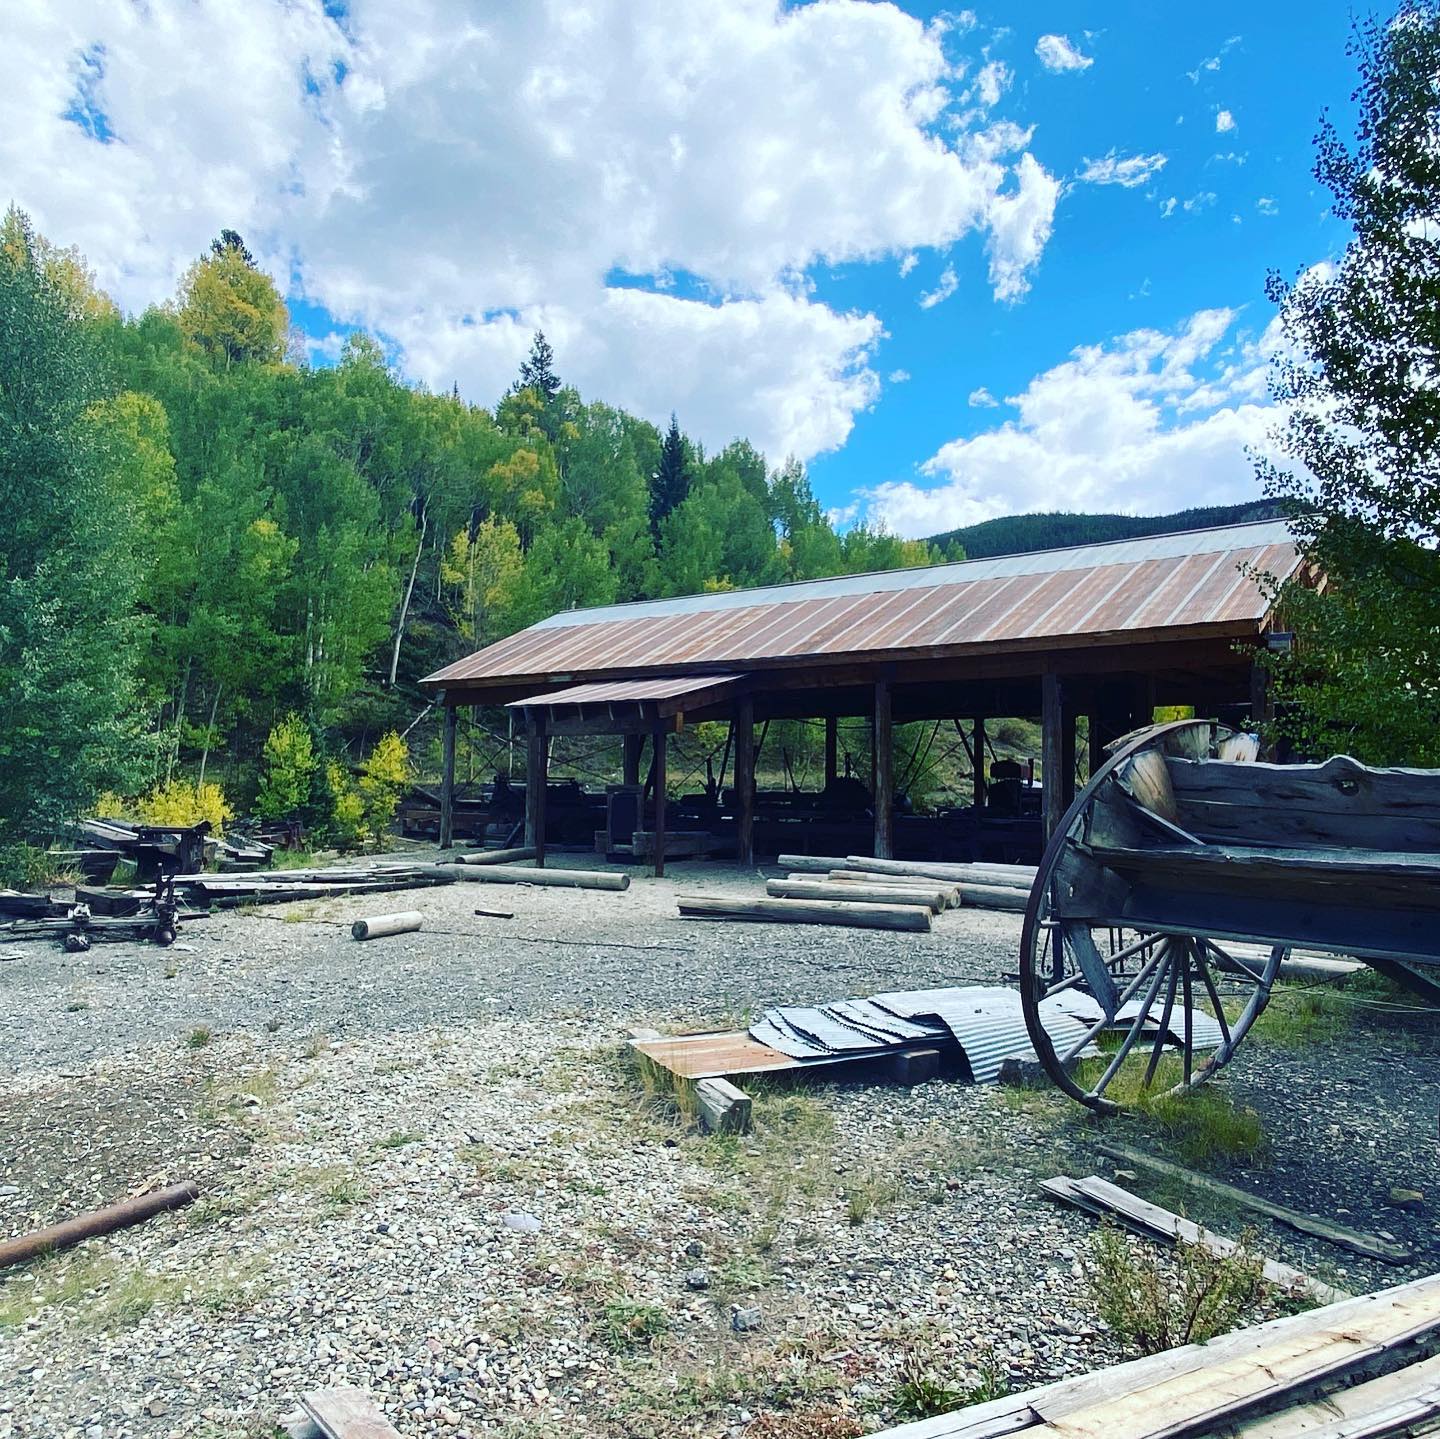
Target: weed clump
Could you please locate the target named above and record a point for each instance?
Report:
(1152, 1307)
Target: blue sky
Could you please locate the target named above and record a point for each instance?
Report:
(962, 262)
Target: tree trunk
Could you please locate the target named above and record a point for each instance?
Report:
(405, 603)
(209, 730)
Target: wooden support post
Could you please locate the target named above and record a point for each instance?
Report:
(745, 784)
(537, 767)
(447, 780)
(659, 743)
(1052, 759)
(630, 762)
(977, 741)
(832, 736)
(884, 749)
(1067, 753)
(1099, 738)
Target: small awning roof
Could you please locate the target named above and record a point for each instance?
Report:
(622, 702)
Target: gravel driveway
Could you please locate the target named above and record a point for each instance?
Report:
(429, 1169)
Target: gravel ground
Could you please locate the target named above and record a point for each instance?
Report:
(430, 1170)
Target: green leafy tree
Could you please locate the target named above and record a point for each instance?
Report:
(68, 636)
(232, 310)
(383, 778)
(287, 768)
(1363, 420)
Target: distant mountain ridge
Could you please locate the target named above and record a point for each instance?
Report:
(1020, 534)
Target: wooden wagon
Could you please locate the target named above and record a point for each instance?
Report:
(1183, 876)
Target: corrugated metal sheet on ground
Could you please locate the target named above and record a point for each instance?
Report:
(1205, 1031)
(988, 1024)
(848, 1027)
(1173, 581)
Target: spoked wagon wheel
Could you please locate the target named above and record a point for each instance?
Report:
(1154, 1000)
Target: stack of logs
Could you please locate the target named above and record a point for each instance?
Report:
(869, 893)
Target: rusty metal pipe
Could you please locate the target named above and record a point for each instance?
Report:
(102, 1221)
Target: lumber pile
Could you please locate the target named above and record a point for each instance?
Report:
(806, 911)
(983, 886)
(1359, 1367)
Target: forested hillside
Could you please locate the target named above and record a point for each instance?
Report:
(208, 534)
(1019, 534)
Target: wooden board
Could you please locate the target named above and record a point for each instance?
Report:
(1378, 1407)
(346, 1412)
(1099, 1196)
(1370, 1245)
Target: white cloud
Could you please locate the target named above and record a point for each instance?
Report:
(898, 377)
(453, 177)
(1128, 170)
(982, 399)
(1167, 207)
(908, 263)
(949, 283)
(1150, 422)
(1224, 122)
(1267, 206)
(1020, 224)
(1202, 201)
(991, 82)
(1057, 54)
(1212, 64)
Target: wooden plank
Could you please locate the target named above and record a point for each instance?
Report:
(950, 892)
(1219, 1392)
(1382, 1406)
(1018, 1412)
(1016, 876)
(495, 856)
(724, 1109)
(1370, 1245)
(345, 1412)
(1099, 1196)
(884, 798)
(805, 911)
(934, 900)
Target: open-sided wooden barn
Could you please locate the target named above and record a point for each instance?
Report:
(1104, 631)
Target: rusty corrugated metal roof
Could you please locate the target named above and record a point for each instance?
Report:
(630, 691)
(1196, 579)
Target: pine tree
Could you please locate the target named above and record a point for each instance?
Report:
(537, 372)
(229, 242)
(1363, 420)
(671, 482)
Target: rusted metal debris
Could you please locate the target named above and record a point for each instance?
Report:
(102, 1221)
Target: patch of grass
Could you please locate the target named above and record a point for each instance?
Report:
(171, 971)
(868, 1193)
(399, 1138)
(76, 1005)
(1300, 1018)
(130, 1298)
(198, 1037)
(920, 1393)
(1205, 1127)
(231, 1093)
(343, 1191)
(626, 1324)
(1151, 1306)
(319, 1044)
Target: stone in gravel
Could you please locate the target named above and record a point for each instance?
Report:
(698, 1279)
(694, 1249)
(746, 1316)
(1407, 1198)
(518, 1219)
(6, 1190)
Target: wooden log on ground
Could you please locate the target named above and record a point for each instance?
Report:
(892, 881)
(1308, 968)
(724, 1108)
(810, 863)
(378, 926)
(1370, 1245)
(550, 878)
(1099, 1197)
(102, 1221)
(994, 896)
(933, 899)
(1398, 1403)
(1013, 877)
(806, 911)
(490, 856)
(345, 1412)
